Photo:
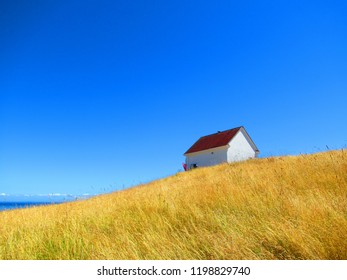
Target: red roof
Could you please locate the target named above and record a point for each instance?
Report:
(215, 140)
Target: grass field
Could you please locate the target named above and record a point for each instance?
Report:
(291, 207)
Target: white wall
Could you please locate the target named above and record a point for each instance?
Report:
(240, 149)
(207, 157)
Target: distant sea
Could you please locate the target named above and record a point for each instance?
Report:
(9, 202)
(15, 205)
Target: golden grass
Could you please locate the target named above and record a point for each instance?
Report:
(272, 208)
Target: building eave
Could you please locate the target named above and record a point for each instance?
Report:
(207, 150)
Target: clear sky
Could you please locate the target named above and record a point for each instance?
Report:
(101, 95)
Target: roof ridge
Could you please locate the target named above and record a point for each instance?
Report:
(218, 132)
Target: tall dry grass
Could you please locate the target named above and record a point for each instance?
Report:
(273, 208)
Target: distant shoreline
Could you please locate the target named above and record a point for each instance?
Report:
(5, 206)
(10, 202)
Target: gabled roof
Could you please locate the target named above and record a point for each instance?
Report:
(219, 139)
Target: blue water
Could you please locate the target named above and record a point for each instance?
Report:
(15, 205)
(8, 202)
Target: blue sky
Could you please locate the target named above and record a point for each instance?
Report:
(101, 95)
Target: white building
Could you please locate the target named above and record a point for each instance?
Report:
(224, 146)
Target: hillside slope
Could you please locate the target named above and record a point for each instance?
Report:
(273, 208)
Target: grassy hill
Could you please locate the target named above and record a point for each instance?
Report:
(273, 208)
